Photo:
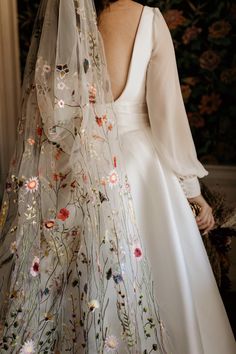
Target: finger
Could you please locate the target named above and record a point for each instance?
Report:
(205, 219)
(206, 224)
(201, 217)
(205, 211)
(210, 227)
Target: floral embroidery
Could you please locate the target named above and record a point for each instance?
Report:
(28, 348)
(34, 270)
(94, 304)
(92, 94)
(138, 252)
(61, 104)
(61, 85)
(63, 70)
(31, 141)
(47, 68)
(111, 344)
(32, 184)
(113, 178)
(75, 244)
(63, 214)
(49, 224)
(13, 247)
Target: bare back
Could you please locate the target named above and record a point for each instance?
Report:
(118, 25)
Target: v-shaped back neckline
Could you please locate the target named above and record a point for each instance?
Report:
(135, 44)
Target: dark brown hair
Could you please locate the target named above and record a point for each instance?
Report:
(102, 4)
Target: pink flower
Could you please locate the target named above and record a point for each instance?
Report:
(34, 270)
(113, 178)
(92, 94)
(63, 214)
(138, 253)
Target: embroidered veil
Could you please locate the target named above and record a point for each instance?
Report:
(71, 254)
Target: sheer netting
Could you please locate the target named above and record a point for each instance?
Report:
(71, 255)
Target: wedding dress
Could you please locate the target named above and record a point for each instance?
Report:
(75, 277)
(152, 120)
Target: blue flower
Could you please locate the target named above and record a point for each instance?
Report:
(117, 278)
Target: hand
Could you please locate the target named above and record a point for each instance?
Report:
(205, 219)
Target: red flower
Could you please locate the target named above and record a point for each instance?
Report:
(63, 214)
(99, 121)
(40, 131)
(56, 177)
(115, 162)
(34, 270)
(138, 252)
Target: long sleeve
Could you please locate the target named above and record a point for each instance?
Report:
(169, 122)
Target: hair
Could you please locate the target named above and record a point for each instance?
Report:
(102, 4)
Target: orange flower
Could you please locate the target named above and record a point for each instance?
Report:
(49, 224)
(209, 103)
(190, 34)
(174, 18)
(110, 126)
(101, 120)
(209, 60)
(186, 92)
(219, 29)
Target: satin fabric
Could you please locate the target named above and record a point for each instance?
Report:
(158, 149)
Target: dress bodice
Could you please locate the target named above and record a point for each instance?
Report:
(152, 96)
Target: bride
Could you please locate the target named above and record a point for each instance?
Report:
(100, 251)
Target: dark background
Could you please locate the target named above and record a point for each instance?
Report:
(204, 37)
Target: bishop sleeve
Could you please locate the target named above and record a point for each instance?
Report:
(168, 119)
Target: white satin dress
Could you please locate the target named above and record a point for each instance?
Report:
(163, 169)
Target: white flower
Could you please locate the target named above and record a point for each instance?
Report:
(113, 178)
(93, 304)
(32, 184)
(31, 141)
(61, 104)
(13, 247)
(111, 343)
(46, 68)
(34, 270)
(61, 85)
(28, 347)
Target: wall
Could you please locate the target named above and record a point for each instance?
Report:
(9, 84)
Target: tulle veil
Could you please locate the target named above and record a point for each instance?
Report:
(71, 254)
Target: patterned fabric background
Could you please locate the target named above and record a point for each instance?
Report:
(204, 35)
